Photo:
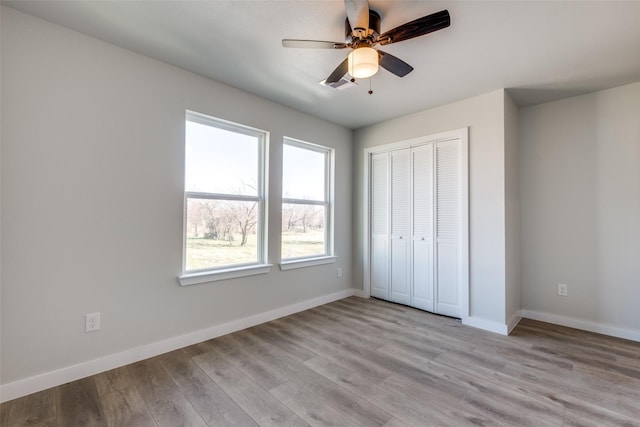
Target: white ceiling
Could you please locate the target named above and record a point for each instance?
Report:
(540, 50)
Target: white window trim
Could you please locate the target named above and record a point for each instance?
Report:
(223, 274)
(293, 263)
(329, 173)
(261, 266)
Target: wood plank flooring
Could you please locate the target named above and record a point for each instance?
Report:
(359, 362)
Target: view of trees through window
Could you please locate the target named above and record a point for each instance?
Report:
(225, 199)
(221, 232)
(305, 205)
(303, 231)
(223, 195)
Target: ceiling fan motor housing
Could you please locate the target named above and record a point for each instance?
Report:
(372, 32)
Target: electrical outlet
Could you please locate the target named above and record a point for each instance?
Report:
(339, 271)
(562, 289)
(92, 322)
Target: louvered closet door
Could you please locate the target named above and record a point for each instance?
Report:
(448, 228)
(418, 198)
(380, 226)
(400, 226)
(422, 265)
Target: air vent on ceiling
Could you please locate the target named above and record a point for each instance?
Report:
(342, 84)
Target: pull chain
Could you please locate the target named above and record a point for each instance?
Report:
(370, 91)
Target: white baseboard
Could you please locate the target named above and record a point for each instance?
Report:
(47, 380)
(487, 325)
(513, 322)
(360, 293)
(585, 325)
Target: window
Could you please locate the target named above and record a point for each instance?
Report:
(224, 201)
(307, 208)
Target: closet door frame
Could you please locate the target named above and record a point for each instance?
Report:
(463, 135)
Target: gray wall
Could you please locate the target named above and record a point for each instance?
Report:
(92, 195)
(580, 194)
(485, 117)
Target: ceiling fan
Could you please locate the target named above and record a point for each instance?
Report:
(362, 33)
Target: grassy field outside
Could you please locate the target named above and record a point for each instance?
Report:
(296, 245)
(210, 253)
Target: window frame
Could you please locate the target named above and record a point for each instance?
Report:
(260, 266)
(329, 194)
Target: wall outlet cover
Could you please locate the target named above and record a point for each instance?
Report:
(92, 322)
(563, 289)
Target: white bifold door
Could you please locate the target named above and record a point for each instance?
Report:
(418, 225)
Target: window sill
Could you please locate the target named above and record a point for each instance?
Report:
(306, 262)
(227, 273)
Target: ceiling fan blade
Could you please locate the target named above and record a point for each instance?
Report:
(313, 44)
(358, 15)
(421, 26)
(394, 64)
(340, 71)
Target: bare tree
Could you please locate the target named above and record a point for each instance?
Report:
(304, 217)
(223, 219)
(289, 217)
(245, 215)
(309, 215)
(200, 216)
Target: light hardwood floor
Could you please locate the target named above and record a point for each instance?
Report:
(359, 362)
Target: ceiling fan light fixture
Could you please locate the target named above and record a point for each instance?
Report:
(363, 62)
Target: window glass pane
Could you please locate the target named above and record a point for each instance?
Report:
(220, 161)
(303, 173)
(303, 230)
(220, 233)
